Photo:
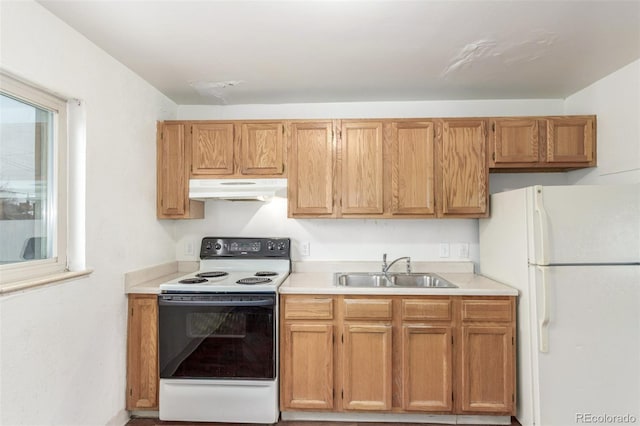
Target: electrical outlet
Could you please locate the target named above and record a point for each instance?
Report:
(444, 249)
(189, 248)
(305, 248)
(463, 251)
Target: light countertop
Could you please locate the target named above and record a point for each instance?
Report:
(148, 280)
(317, 277)
(469, 284)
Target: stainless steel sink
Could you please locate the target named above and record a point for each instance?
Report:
(379, 279)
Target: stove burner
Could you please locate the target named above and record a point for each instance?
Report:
(192, 281)
(265, 274)
(212, 274)
(253, 280)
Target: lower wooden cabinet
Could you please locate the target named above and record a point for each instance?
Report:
(427, 373)
(307, 353)
(366, 367)
(486, 350)
(142, 352)
(400, 354)
(486, 364)
(308, 383)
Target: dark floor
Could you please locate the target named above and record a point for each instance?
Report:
(156, 422)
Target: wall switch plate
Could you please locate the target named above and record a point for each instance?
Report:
(305, 248)
(444, 249)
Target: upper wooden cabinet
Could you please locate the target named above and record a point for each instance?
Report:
(213, 149)
(262, 149)
(173, 174)
(515, 140)
(383, 169)
(462, 173)
(237, 149)
(312, 158)
(361, 152)
(571, 140)
(542, 143)
(412, 168)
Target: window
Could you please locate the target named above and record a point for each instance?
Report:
(33, 182)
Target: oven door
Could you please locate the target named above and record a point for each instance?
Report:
(217, 336)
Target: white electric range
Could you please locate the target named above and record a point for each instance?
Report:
(218, 333)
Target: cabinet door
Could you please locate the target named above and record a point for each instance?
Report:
(570, 140)
(311, 169)
(412, 168)
(212, 149)
(172, 178)
(487, 381)
(515, 140)
(366, 364)
(307, 366)
(362, 172)
(142, 353)
(262, 149)
(463, 177)
(426, 368)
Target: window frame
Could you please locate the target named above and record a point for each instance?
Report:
(13, 273)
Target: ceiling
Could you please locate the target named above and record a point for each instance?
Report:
(269, 52)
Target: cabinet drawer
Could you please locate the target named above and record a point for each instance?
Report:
(308, 308)
(487, 310)
(426, 309)
(367, 309)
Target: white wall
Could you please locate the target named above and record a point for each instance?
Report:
(616, 101)
(475, 108)
(353, 239)
(62, 347)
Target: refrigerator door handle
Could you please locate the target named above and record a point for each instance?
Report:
(543, 220)
(543, 319)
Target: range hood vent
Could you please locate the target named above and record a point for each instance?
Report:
(237, 189)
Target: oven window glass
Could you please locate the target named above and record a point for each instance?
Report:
(233, 342)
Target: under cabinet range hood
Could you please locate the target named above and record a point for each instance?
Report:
(237, 189)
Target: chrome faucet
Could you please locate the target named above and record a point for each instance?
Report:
(385, 266)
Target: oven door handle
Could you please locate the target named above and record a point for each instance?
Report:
(231, 303)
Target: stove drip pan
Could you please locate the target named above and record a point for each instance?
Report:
(212, 274)
(193, 281)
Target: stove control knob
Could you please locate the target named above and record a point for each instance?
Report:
(281, 246)
(217, 246)
(270, 245)
(208, 246)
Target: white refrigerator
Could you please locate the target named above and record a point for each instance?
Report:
(573, 252)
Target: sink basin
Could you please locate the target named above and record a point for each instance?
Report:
(362, 279)
(379, 279)
(421, 280)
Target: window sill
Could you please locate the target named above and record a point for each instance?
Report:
(37, 282)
